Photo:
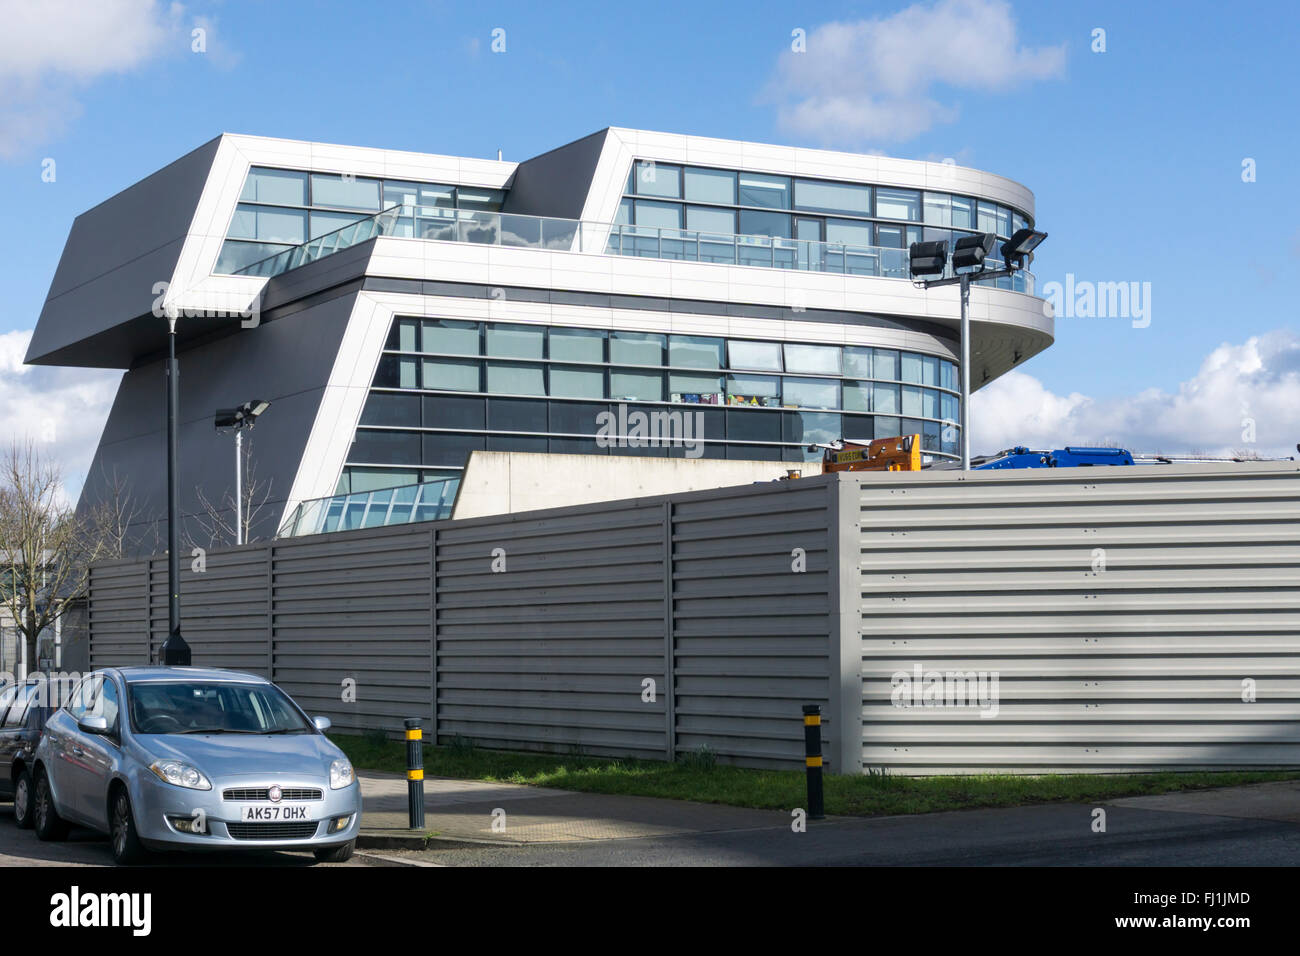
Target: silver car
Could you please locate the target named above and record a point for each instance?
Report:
(167, 758)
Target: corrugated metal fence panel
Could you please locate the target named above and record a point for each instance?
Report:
(751, 634)
(224, 617)
(549, 651)
(1120, 609)
(351, 625)
(115, 609)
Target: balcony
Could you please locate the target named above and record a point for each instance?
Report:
(594, 238)
(431, 501)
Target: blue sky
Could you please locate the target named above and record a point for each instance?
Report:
(1135, 154)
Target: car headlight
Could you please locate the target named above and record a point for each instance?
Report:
(180, 774)
(340, 775)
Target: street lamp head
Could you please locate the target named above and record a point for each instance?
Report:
(927, 258)
(256, 407)
(970, 251)
(228, 417)
(1020, 245)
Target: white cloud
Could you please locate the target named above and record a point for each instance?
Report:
(876, 79)
(49, 49)
(1257, 380)
(62, 409)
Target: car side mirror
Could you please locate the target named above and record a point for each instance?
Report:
(322, 723)
(93, 725)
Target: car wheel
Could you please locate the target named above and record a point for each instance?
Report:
(335, 854)
(23, 799)
(49, 825)
(127, 848)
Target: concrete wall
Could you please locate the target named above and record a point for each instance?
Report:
(500, 482)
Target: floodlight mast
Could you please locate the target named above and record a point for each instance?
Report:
(244, 416)
(930, 258)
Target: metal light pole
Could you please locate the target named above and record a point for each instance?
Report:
(239, 418)
(930, 258)
(965, 373)
(174, 650)
(239, 486)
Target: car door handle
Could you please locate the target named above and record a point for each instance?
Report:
(78, 752)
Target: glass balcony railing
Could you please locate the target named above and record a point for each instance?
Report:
(573, 235)
(776, 253)
(430, 501)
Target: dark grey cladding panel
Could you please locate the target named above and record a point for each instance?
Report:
(287, 362)
(556, 184)
(114, 255)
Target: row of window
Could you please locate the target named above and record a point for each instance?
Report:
(287, 187)
(730, 433)
(762, 191)
(639, 385)
(480, 413)
(454, 337)
(280, 208)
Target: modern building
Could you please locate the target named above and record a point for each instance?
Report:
(401, 310)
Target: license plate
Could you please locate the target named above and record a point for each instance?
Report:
(272, 813)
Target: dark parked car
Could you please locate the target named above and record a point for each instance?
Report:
(24, 708)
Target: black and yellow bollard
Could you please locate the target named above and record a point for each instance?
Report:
(415, 772)
(812, 745)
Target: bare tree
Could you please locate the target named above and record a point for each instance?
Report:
(216, 520)
(45, 549)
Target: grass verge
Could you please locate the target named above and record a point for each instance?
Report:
(697, 777)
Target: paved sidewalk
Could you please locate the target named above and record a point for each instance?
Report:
(462, 810)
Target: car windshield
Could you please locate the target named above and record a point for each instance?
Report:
(214, 707)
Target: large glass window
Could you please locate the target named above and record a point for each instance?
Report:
(269, 224)
(929, 370)
(759, 356)
(886, 365)
(568, 381)
(631, 385)
(450, 337)
(819, 196)
(389, 408)
(659, 215)
(885, 398)
(857, 396)
(753, 390)
(812, 359)
(327, 222)
(275, 186)
(808, 427)
(775, 224)
(483, 200)
(948, 376)
(711, 185)
(454, 411)
(770, 192)
(911, 400)
(848, 232)
(385, 447)
(963, 212)
(397, 372)
(811, 393)
(576, 418)
(577, 345)
(657, 179)
(637, 348)
(515, 378)
(911, 368)
(450, 450)
(857, 361)
(452, 375)
(706, 219)
(938, 209)
(693, 351)
(516, 341)
(987, 217)
(692, 388)
(898, 204)
(516, 415)
(351, 192)
(753, 425)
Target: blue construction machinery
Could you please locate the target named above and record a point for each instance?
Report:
(1073, 456)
